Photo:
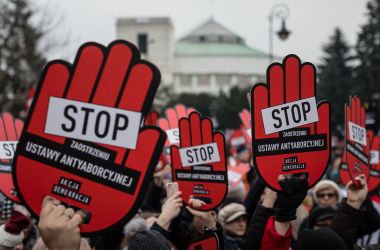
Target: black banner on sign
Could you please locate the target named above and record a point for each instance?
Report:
(201, 176)
(357, 151)
(6, 167)
(65, 158)
(294, 141)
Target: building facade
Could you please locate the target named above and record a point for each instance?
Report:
(209, 59)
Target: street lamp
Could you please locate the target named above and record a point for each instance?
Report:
(280, 11)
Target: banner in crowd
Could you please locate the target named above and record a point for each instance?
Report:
(199, 163)
(357, 145)
(82, 142)
(10, 131)
(170, 126)
(290, 130)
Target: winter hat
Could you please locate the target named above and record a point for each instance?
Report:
(319, 213)
(148, 240)
(322, 238)
(326, 184)
(134, 226)
(11, 233)
(231, 212)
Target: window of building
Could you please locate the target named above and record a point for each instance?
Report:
(142, 41)
(223, 80)
(203, 80)
(244, 80)
(185, 80)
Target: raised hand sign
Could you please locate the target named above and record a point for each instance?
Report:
(357, 147)
(82, 142)
(290, 131)
(170, 126)
(245, 118)
(344, 175)
(10, 131)
(374, 161)
(199, 163)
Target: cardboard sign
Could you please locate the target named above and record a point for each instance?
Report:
(374, 173)
(103, 94)
(357, 155)
(206, 242)
(290, 132)
(170, 126)
(10, 131)
(206, 176)
(245, 118)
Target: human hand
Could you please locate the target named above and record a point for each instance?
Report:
(295, 190)
(356, 195)
(59, 226)
(170, 209)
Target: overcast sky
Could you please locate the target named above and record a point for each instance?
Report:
(311, 21)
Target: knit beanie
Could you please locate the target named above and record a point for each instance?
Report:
(322, 238)
(148, 240)
(11, 233)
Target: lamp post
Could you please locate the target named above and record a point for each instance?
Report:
(278, 11)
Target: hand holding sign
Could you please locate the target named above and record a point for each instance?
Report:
(357, 146)
(99, 99)
(199, 164)
(170, 126)
(10, 131)
(290, 132)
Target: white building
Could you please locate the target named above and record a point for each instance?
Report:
(209, 59)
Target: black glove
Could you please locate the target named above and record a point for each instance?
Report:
(294, 191)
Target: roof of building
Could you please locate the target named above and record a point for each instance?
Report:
(211, 31)
(213, 39)
(216, 49)
(144, 20)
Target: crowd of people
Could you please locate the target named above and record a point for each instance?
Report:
(328, 216)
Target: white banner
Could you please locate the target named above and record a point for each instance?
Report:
(290, 115)
(7, 149)
(91, 122)
(173, 135)
(374, 157)
(357, 133)
(197, 155)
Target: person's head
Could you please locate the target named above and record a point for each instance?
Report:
(321, 217)
(233, 219)
(11, 233)
(327, 194)
(243, 153)
(322, 238)
(147, 240)
(134, 226)
(198, 222)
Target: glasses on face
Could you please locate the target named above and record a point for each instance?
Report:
(328, 195)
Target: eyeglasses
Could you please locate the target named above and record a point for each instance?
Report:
(329, 195)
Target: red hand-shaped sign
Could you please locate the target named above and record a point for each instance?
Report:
(199, 163)
(290, 132)
(82, 142)
(245, 118)
(10, 131)
(357, 145)
(170, 126)
(205, 242)
(374, 161)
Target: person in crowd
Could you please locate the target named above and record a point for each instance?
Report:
(233, 218)
(12, 233)
(59, 226)
(327, 194)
